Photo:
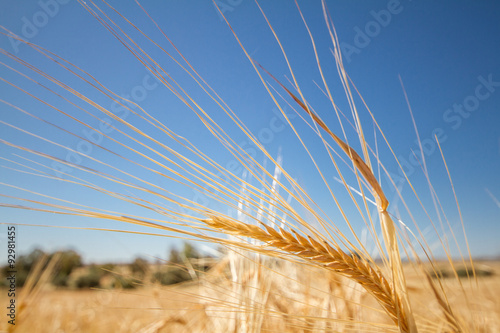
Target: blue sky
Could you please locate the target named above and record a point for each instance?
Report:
(446, 54)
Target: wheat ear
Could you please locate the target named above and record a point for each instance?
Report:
(321, 253)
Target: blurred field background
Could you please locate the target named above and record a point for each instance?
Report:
(164, 297)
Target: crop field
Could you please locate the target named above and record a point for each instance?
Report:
(208, 305)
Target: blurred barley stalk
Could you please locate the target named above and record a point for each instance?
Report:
(280, 234)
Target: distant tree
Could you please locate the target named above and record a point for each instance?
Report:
(177, 271)
(27, 262)
(68, 261)
(139, 267)
(190, 252)
(175, 257)
(24, 264)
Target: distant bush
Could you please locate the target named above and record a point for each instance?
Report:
(440, 273)
(170, 276)
(468, 272)
(139, 267)
(124, 283)
(463, 273)
(91, 280)
(177, 271)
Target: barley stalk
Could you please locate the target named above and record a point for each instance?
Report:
(388, 228)
(324, 255)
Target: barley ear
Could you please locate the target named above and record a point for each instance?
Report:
(319, 252)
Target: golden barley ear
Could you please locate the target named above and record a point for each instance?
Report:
(319, 252)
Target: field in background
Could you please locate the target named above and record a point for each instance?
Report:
(196, 306)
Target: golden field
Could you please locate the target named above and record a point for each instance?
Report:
(212, 304)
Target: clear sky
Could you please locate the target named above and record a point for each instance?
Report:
(446, 54)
